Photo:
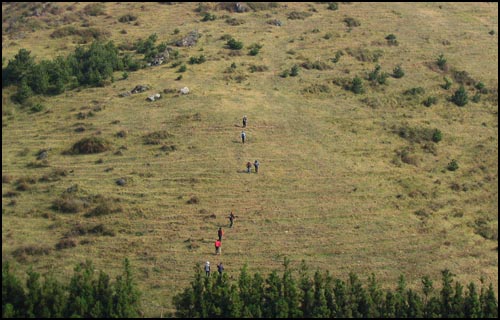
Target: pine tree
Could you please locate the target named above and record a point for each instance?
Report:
(472, 307)
(33, 303)
(320, 309)
(415, 305)
(376, 297)
(446, 293)
(274, 302)
(126, 301)
(460, 97)
(13, 295)
(81, 300)
(306, 288)
(54, 298)
(457, 302)
(357, 85)
(490, 304)
(341, 309)
(389, 308)
(291, 292)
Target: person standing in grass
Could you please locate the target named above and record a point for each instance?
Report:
(231, 219)
(256, 164)
(217, 246)
(220, 233)
(207, 268)
(220, 268)
(249, 166)
(243, 136)
(244, 121)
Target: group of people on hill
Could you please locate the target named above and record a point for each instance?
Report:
(220, 232)
(218, 245)
(243, 137)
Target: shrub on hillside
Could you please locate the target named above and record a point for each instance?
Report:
(398, 72)
(233, 44)
(333, 6)
(441, 62)
(68, 204)
(460, 97)
(351, 22)
(127, 18)
(90, 145)
(430, 101)
(94, 9)
(156, 137)
(452, 165)
(391, 40)
(357, 85)
(295, 15)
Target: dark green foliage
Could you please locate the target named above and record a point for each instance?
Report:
(441, 62)
(322, 296)
(85, 297)
(476, 97)
(447, 83)
(37, 107)
(357, 85)
(197, 60)
(437, 136)
(127, 18)
(254, 49)
(460, 97)
(333, 6)
(294, 71)
(233, 44)
(417, 134)
(452, 165)
(414, 91)
(398, 72)
(182, 68)
(351, 22)
(208, 17)
(391, 40)
(338, 54)
(376, 77)
(430, 101)
(295, 15)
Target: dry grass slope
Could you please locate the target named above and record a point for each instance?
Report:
(338, 185)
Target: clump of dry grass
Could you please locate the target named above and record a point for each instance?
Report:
(90, 145)
(156, 137)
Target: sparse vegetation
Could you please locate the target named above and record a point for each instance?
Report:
(333, 161)
(460, 97)
(90, 145)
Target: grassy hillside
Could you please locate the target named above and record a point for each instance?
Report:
(347, 181)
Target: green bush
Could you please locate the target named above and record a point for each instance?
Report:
(391, 40)
(447, 83)
(127, 18)
(453, 165)
(430, 101)
(182, 68)
(357, 85)
(476, 97)
(38, 107)
(294, 71)
(460, 97)
(90, 145)
(398, 72)
(441, 62)
(351, 22)
(208, 17)
(233, 44)
(437, 136)
(333, 6)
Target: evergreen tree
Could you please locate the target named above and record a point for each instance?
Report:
(13, 295)
(376, 297)
(126, 299)
(18, 69)
(291, 292)
(389, 309)
(472, 307)
(415, 305)
(306, 287)
(490, 304)
(460, 97)
(23, 92)
(81, 300)
(446, 294)
(274, 302)
(457, 302)
(320, 309)
(400, 305)
(54, 298)
(341, 307)
(357, 85)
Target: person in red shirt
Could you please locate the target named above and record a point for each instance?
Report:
(217, 246)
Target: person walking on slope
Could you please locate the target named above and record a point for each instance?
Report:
(256, 165)
(220, 268)
(207, 268)
(217, 246)
(231, 219)
(249, 166)
(244, 121)
(243, 136)
(220, 233)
